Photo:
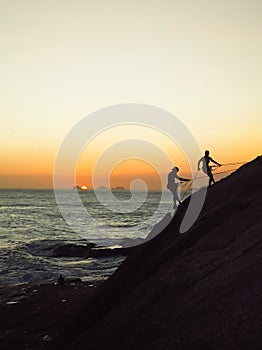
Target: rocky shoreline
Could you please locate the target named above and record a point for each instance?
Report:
(199, 290)
(33, 315)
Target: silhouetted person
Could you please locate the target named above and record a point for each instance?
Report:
(206, 167)
(61, 280)
(172, 185)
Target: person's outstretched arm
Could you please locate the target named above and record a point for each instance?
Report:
(181, 178)
(212, 160)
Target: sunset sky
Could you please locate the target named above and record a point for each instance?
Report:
(62, 60)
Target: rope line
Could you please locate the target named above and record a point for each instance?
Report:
(217, 173)
(234, 163)
(215, 167)
(189, 184)
(220, 172)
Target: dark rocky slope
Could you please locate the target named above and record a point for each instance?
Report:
(199, 290)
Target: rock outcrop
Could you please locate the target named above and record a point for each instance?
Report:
(199, 290)
(86, 251)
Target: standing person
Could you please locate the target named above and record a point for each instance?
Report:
(173, 186)
(206, 167)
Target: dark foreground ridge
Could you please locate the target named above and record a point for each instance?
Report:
(199, 290)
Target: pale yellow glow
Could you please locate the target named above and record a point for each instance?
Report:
(61, 60)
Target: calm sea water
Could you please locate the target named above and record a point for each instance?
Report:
(31, 226)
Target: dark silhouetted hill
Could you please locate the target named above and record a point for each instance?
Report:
(198, 290)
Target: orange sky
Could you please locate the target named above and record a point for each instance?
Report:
(123, 175)
(62, 61)
(36, 171)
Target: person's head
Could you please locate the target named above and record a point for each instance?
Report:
(206, 153)
(175, 169)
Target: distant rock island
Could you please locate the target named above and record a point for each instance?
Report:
(101, 188)
(77, 188)
(119, 188)
(80, 188)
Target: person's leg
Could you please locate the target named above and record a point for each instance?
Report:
(174, 201)
(175, 197)
(211, 177)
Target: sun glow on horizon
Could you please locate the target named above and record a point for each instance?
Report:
(201, 63)
(122, 154)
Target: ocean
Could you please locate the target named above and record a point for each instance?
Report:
(31, 226)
